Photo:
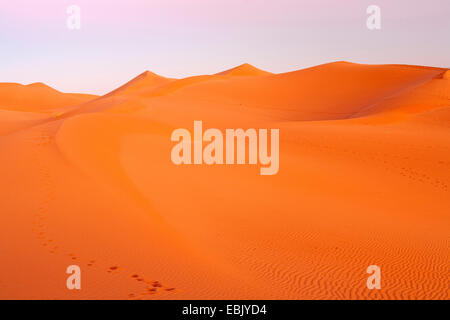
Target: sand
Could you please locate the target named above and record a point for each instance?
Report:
(364, 180)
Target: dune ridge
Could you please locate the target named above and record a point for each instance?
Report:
(145, 81)
(244, 69)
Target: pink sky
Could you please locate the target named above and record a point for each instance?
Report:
(120, 39)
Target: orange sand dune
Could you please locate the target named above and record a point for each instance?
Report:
(22, 106)
(36, 97)
(331, 91)
(364, 179)
(244, 70)
(144, 82)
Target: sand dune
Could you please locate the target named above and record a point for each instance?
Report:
(144, 82)
(364, 179)
(22, 106)
(244, 70)
(36, 97)
(331, 91)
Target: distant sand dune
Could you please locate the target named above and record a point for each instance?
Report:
(36, 97)
(244, 70)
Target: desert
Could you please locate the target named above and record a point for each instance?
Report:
(364, 180)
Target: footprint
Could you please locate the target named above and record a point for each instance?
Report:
(40, 225)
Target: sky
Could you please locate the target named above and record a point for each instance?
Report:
(119, 39)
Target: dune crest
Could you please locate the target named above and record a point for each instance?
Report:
(244, 69)
(144, 82)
